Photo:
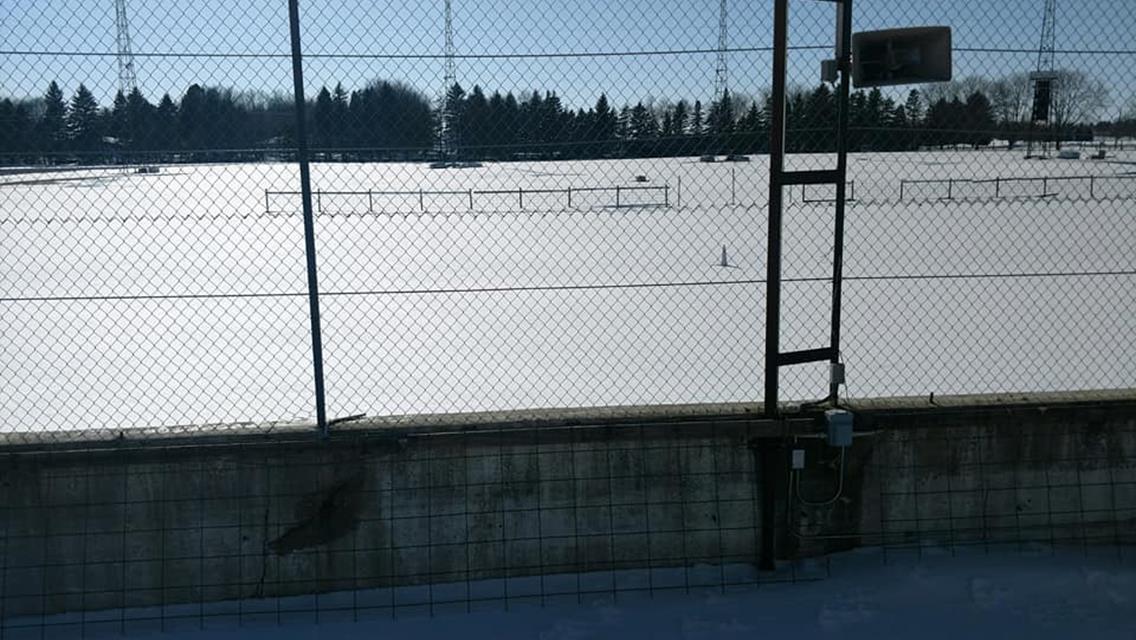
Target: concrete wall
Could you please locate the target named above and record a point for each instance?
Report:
(146, 526)
(136, 522)
(1055, 468)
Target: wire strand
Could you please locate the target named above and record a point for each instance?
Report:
(554, 288)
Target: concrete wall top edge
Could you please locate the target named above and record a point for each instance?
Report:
(795, 419)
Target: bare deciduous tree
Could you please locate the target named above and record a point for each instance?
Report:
(1010, 98)
(1077, 98)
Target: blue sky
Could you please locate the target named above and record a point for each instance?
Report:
(336, 34)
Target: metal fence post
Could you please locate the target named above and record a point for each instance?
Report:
(998, 187)
(309, 221)
(1092, 188)
(776, 202)
(569, 197)
(617, 196)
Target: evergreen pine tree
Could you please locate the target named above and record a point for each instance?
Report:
(323, 123)
(191, 115)
(118, 116)
(15, 128)
(140, 120)
(979, 118)
(53, 125)
(83, 119)
(165, 124)
(681, 113)
(696, 119)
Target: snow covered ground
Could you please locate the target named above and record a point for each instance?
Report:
(139, 300)
(1034, 592)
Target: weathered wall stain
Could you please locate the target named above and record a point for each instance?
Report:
(324, 517)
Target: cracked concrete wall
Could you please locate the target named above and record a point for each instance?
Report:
(87, 530)
(142, 528)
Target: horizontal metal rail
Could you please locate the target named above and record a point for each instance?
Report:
(998, 182)
(520, 193)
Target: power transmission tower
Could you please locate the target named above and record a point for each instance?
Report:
(722, 70)
(1044, 77)
(447, 141)
(1047, 50)
(127, 80)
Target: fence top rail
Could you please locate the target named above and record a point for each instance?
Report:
(1116, 176)
(463, 192)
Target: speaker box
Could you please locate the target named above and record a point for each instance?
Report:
(901, 56)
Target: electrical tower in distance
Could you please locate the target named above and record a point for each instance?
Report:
(722, 69)
(446, 138)
(1044, 77)
(127, 80)
(1047, 51)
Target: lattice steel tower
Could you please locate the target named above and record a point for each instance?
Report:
(127, 80)
(447, 142)
(722, 70)
(1047, 50)
(1044, 79)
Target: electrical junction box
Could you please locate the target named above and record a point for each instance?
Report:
(829, 71)
(798, 458)
(838, 426)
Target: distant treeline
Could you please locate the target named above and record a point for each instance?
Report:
(392, 121)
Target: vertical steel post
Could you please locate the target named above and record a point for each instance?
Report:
(776, 168)
(309, 222)
(844, 64)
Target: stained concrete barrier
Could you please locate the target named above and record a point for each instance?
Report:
(155, 518)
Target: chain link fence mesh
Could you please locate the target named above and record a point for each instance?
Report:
(565, 207)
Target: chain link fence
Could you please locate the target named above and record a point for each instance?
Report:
(537, 205)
